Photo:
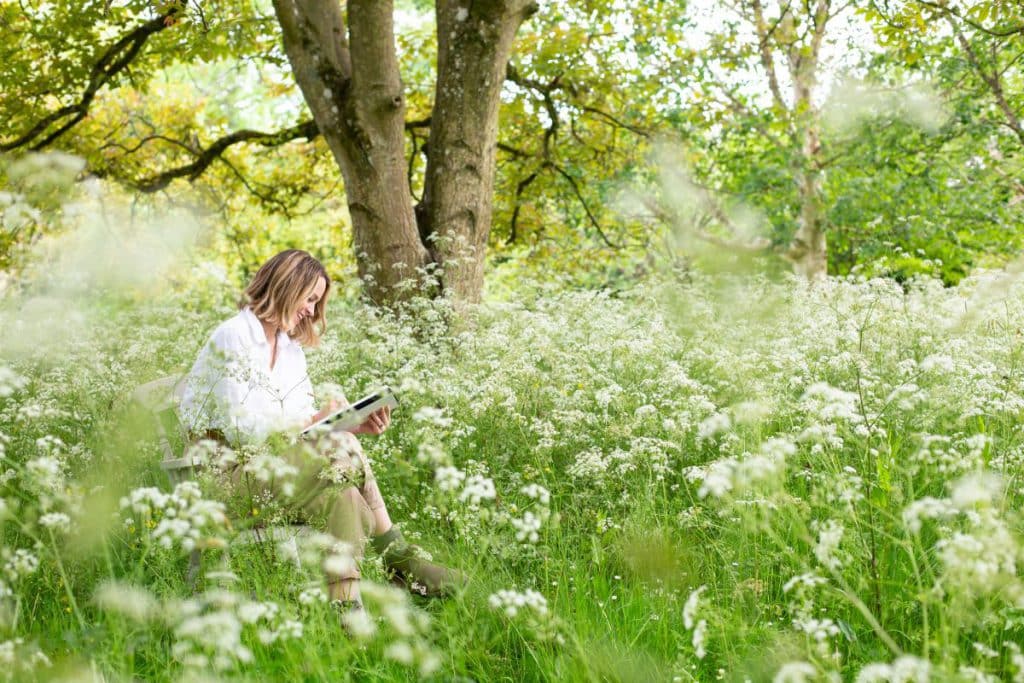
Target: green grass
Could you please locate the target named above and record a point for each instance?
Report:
(609, 404)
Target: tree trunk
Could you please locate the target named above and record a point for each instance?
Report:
(350, 80)
(474, 43)
(808, 251)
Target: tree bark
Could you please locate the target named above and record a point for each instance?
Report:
(474, 42)
(808, 250)
(350, 80)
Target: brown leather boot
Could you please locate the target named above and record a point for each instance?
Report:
(413, 572)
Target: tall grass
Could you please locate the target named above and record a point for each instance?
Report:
(716, 480)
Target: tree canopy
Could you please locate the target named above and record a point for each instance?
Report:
(606, 137)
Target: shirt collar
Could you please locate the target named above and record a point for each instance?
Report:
(256, 329)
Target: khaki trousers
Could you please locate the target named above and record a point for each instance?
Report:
(334, 490)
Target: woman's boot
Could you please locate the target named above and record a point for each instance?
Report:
(414, 573)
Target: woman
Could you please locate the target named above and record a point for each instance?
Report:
(250, 382)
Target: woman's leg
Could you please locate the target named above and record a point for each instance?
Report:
(324, 502)
(419, 575)
(375, 501)
(349, 452)
(349, 520)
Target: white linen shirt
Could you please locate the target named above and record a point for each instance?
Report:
(231, 387)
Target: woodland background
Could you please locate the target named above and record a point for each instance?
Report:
(706, 320)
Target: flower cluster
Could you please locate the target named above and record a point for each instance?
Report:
(208, 629)
(402, 626)
(698, 626)
(180, 518)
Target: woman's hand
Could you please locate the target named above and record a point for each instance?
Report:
(376, 423)
(327, 410)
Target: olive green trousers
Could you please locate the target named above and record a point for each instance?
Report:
(333, 490)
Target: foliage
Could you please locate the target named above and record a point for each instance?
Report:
(587, 106)
(723, 478)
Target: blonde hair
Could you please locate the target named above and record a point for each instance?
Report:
(279, 289)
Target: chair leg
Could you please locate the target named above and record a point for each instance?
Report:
(293, 543)
(195, 561)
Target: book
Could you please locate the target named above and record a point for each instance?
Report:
(355, 414)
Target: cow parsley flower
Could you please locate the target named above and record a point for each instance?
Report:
(478, 488)
(690, 607)
(796, 672)
(905, 669)
(56, 521)
(511, 602)
(830, 535)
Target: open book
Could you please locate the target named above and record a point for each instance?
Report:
(351, 416)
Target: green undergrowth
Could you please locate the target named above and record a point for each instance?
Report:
(717, 480)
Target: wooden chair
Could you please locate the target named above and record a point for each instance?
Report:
(160, 398)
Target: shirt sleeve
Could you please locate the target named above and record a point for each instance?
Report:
(220, 385)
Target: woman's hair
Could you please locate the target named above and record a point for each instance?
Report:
(281, 286)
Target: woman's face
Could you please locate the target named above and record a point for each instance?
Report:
(307, 308)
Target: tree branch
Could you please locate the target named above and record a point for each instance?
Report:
(420, 123)
(586, 207)
(203, 158)
(514, 151)
(992, 80)
(115, 60)
(946, 10)
(520, 188)
(616, 122)
(763, 35)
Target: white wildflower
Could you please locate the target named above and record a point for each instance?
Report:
(905, 669)
(512, 602)
(690, 607)
(713, 425)
(795, 672)
(803, 581)
(46, 471)
(699, 638)
(20, 564)
(537, 492)
(56, 521)
(830, 535)
(477, 489)
(448, 478)
(527, 527)
(430, 453)
(832, 404)
(432, 416)
(10, 382)
(311, 596)
(937, 363)
(340, 561)
(132, 601)
(978, 489)
(718, 478)
(926, 508)
(817, 629)
(970, 674)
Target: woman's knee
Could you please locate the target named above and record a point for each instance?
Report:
(349, 507)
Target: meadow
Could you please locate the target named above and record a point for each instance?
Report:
(695, 479)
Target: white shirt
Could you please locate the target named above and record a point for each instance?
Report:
(232, 388)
